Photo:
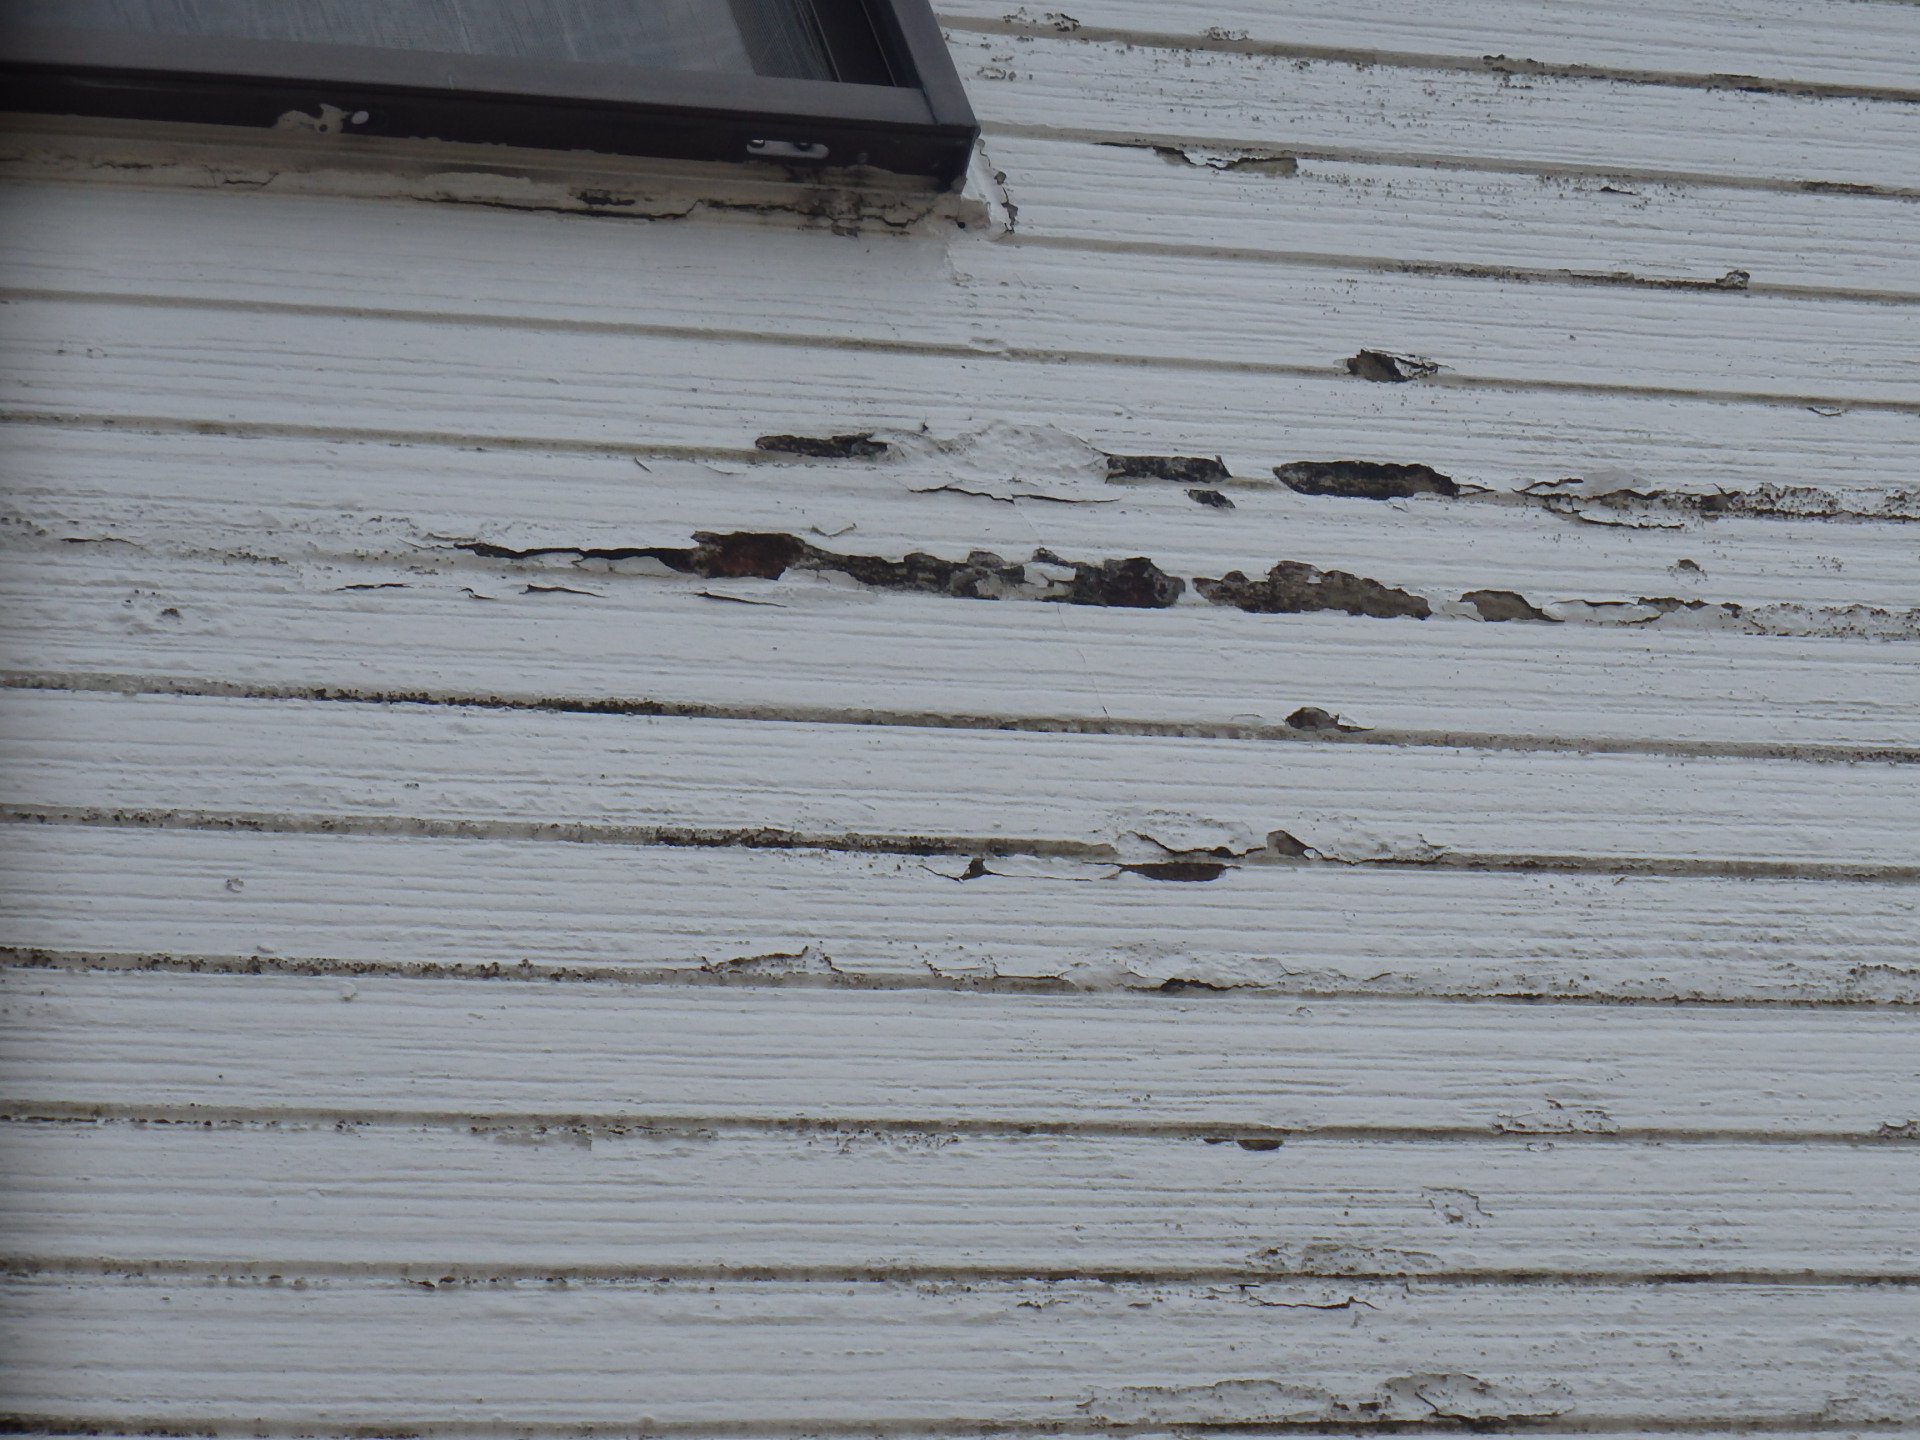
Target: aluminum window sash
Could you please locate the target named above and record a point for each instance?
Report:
(501, 99)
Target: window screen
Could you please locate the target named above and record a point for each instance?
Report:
(742, 37)
(837, 82)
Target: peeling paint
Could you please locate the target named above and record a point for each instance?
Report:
(1313, 719)
(1423, 1396)
(1239, 161)
(1632, 506)
(1130, 583)
(1559, 1118)
(1364, 479)
(307, 155)
(1181, 469)
(861, 446)
(1225, 1016)
(1499, 605)
(1294, 588)
(1339, 1257)
(1190, 871)
(1379, 365)
(1455, 1206)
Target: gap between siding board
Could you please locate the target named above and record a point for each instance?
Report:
(172, 1425)
(769, 838)
(731, 974)
(1252, 1137)
(1517, 274)
(354, 435)
(427, 1274)
(1429, 160)
(128, 684)
(935, 349)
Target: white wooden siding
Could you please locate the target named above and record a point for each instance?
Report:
(476, 963)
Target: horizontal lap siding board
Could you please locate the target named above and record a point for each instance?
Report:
(1059, 85)
(343, 379)
(993, 300)
(353, 905)
(1013, 665)
(73, 240)
(1599, 341)
(411, 769)
(234, 563)
(496, 1054)
(421, 1145)
(1351, 215)
(1823, 41)
(79, 504)
(532, 1202)
(805, 650)
(547, 1359)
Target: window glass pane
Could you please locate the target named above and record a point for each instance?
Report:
(747, 37)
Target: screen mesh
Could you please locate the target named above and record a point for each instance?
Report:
(748, 37)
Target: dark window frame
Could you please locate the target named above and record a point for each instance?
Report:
(919, 125)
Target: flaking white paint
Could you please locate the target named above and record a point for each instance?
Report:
(423, 1010)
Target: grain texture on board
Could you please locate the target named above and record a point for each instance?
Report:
(389, 382)
(352, 1355)
(974, 298)
(535, 1199)
(399, 1051)
(1334, 214)
(355, 905)
(186, 762)
(1856, 461)
(1545, 124)
(1830, 41)
(1583, 230)
(1261, 773)
(1748, 558)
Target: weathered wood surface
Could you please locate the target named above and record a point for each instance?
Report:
(549, 966)
(192, 561)
(1334, 214)
(630, 396)
(394, 905)
(189, 762)
(1053, 84)
(342, 1354)
(1017, 304)
(500, 1054)
(772, 651)
(590, 1202)
(1354, 214)
(146, 501)
(1830, 41)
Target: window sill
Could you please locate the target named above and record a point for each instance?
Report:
(306, 155)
